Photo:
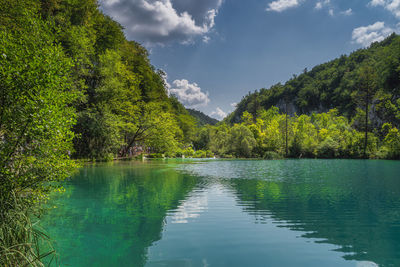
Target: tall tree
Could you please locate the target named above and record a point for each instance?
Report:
(288, 90)
(367, 87)
(35, 125)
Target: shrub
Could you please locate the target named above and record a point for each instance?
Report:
(271, 155)
(328, 148)
(200, 154)
(155, 156)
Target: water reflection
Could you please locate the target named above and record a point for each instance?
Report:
(190, 209)
(352, 204)
(111, 214)
(230, 213)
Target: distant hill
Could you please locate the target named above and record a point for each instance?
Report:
(336, 84)
(202, 118)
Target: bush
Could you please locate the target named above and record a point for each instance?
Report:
(155, 156)
(107, 158)
(209, 154)
(328, 148)
(188, 152)
(200, 154)
(35, 127)
(391, 143)
(271, 155)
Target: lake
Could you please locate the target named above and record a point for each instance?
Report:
(229, 213)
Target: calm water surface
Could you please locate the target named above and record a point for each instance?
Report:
(229, 213)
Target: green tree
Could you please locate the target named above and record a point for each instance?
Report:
(366, 92)
(242, 141)
(220, 137)
(391, 142)
(202, 139)
(35, 125)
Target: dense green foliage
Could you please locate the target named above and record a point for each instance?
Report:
(340, 84)
(201, 118)
(273, 135)
(349, 107)
(71, 85)
(35, 125)
(124, 100)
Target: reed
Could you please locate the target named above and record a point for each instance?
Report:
(22, 241)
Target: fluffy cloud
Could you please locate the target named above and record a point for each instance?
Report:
(234, 104)
(206, 39)
(327, 5)
(347, 12)
(282, 5)
(394, 7)
(218, 114)
(318, 5)
(372, 33)
(189, 94)
(163, 21)
(321, 4)
(390, 5)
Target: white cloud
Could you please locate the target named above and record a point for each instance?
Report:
(234, 104)
(163, 21)
(206, 39)
(321, 4)
(218, 114)
(372, 33)
(347, 12)
(189, 94)
(318, 5)
(327, 5)
(394, 7)
(281, 5)
(391, 5)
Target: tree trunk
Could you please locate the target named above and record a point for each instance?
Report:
(286, 130)
(366, 125)
(125, 150)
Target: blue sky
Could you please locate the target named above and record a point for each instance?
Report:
(215, 51)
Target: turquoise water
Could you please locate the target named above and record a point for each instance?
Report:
(229, 213)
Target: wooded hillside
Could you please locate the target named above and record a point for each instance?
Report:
(338, 84)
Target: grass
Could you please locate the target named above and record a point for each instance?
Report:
(22, 243)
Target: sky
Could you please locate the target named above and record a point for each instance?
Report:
(214, 52)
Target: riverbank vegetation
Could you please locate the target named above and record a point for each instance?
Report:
(358, 94)
(36, 117)
(72, 86)
(273, 135)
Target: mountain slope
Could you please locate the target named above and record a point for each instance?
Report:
(123, 98)
(337, 84)
(202, 118)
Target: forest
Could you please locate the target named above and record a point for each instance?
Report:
(273, 135)
(73, 87)
(346, 108)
